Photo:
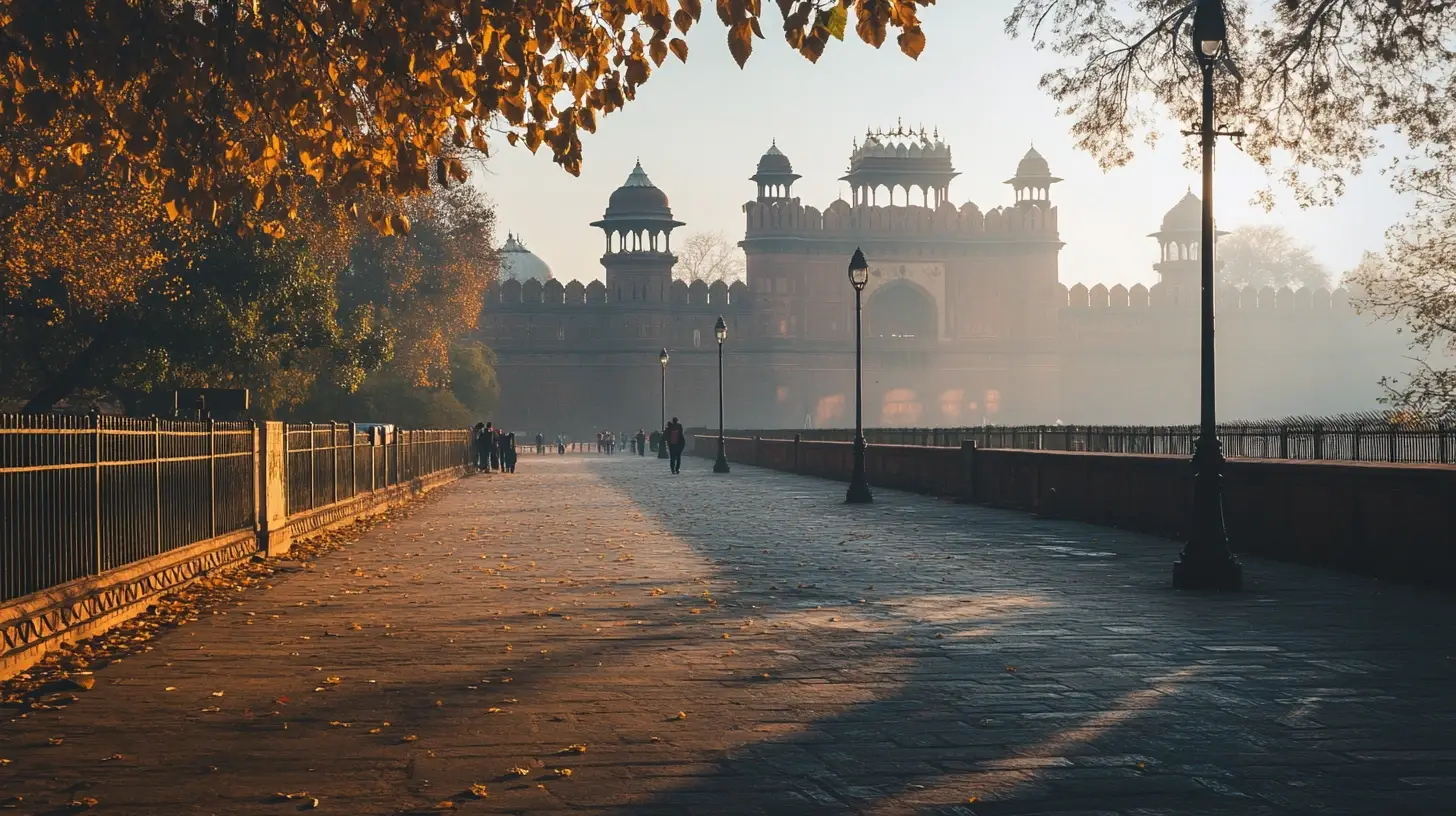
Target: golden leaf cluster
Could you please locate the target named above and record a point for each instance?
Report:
(236, 103)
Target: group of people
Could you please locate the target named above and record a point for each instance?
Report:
(495, 449)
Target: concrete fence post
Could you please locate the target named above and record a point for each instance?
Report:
(273, 488)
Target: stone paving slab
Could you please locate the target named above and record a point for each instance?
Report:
(745, 644)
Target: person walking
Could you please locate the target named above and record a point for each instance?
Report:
(488, 451)
(508, 453)
(560, 445)
(676, 441)
(641, 442)
(498, 442)
(478, 455)
(540, 444)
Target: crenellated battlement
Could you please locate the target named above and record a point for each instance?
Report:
(1247, 299)
(532, 294)
(772, 218)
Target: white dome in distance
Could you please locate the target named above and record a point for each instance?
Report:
(519, 263)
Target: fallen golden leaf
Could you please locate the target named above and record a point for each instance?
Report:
(578, 748)
(56, 740)
(86, 803)
(681, 715)
(290, 796)
(333, 680)
(561, 771)
(409, 738)
(478, 791)
(444, 804)
(113, 757)
(518, 771)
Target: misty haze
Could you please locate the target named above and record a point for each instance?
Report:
(807, 408)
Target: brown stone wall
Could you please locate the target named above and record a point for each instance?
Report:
(1385, 520)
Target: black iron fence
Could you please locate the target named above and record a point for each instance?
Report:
(81, 495)
(1357, 438)
(332, 462)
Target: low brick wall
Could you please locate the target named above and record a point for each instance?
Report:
(1383, 520)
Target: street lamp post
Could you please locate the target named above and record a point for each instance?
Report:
(721, 464)
(1206, 562)
(859, 488)
(662, 424)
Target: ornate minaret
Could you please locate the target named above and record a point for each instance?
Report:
(775, 177)
(1180, 276)
(638, 224)
(1033, 180)
(900, 160)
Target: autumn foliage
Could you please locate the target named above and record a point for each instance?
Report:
(217, 103)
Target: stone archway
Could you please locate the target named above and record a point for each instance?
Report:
(901, 310)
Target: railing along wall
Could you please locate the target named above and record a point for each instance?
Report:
(1370, 438)
(332, 462)
(86, 494)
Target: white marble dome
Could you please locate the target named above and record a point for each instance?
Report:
(519, 263)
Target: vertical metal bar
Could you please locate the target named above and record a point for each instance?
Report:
(334, 457)
(157, 475)
(211, 477)
(96, 504)
(312, 475)
(353, 460)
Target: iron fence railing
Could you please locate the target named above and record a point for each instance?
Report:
(1360, 438)
(80, 495)
(331, 462)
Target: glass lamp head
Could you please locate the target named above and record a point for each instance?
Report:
(859, 271)
(721, 330)
(1210, 30)
(662, 358)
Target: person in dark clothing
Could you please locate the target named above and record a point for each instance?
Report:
(641, 442)
(478, 456)
(676, 441)
(654, 440)
(540, 444)
(496, 440)
(488, 450)
(508, 453)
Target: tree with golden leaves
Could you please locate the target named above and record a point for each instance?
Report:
(216, 103)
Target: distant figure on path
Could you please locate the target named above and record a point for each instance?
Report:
(508, 453)
(560, 445)
(540, 444)
(488, 452)
(654, 440)
(478, 456)
(495, 450)
(676, 441)
(641, 442)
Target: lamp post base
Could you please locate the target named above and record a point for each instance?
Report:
(720, 465)
(859, 486)
(1216, 572)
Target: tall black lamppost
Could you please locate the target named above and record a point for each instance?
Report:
(859, 489)
(1206, 562)
(662, 424)
(721, 331)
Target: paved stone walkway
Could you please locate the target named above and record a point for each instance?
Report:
(747, 645)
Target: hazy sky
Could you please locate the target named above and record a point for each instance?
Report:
(700, 128)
